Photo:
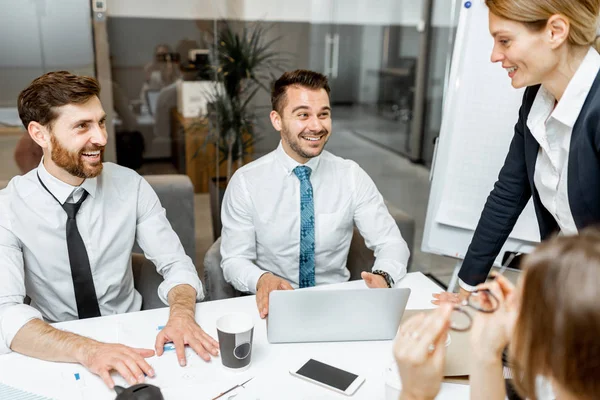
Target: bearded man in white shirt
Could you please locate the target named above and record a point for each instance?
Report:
(288, 217)
(66, 233)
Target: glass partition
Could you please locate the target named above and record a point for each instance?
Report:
(37, 37)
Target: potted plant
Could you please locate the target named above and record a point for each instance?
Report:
(244, 63)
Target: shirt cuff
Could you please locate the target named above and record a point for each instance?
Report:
(180, 278)
(253, 278)
(12, 319)
(466, 286)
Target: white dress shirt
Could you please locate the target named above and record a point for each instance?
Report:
(552, 126)
(121, 208)
(261, 221)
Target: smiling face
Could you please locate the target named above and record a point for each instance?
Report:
(527, 56)
(76, 139)
(304, 122)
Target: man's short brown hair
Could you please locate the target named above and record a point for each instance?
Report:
(38, 102)
(300, 77)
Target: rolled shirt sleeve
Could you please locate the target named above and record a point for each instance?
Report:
(162, 246)
(378, 228)
(13, 313)
(13, 316)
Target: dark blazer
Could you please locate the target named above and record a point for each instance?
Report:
(515, 186)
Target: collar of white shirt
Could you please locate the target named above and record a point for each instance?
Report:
(288, 163)
(62, 190)
(568, 108)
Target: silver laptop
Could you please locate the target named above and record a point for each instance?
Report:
(335, 315)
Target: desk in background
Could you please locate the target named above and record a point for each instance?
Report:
(193, 155)
(396, 89)
(200, 380)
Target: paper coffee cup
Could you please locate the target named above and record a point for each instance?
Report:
(235, 332)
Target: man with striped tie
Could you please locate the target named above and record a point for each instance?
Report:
(288, 217)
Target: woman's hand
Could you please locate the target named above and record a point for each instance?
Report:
(447, 297)
(420, 351)
(491, 332)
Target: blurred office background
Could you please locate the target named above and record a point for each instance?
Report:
(387, 61)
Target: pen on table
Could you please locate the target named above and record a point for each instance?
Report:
(230, 389)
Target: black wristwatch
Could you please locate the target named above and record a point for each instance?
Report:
(386, 276)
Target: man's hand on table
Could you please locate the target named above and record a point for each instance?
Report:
(102, 358)
(182, 328)
(265, 285)
(374, 281)
(37, 339)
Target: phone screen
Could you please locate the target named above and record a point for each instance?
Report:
(327, 374)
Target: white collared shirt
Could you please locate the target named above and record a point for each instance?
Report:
(552, 128)
(261, 221)
(121, 208)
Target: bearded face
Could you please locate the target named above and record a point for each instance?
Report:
(82, 163)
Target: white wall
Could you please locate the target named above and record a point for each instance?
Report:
(275, 10)
(269, 10)
(174, 9)
(376, 12)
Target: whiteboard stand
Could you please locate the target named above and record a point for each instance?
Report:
(454, 280)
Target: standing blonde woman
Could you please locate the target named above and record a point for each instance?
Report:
(551, 324)
(546, 46)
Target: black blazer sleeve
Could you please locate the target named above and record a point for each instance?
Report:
(503, 206)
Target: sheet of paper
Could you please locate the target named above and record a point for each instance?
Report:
(168, 371)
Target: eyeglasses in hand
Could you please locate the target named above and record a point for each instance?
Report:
(479, 300)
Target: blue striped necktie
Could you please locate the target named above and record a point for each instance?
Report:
(307, 228)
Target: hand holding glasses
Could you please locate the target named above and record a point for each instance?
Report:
(480, 300)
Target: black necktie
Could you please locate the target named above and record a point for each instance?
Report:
(83, 283)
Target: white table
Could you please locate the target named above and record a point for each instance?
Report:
(199, 380)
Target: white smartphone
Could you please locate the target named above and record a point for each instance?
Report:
(330, 377)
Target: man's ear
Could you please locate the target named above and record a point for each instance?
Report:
(39, 133)
(558, 28)
(275, 120)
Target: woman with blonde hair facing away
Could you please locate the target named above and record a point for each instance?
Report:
(551, 324)
(547, 47)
